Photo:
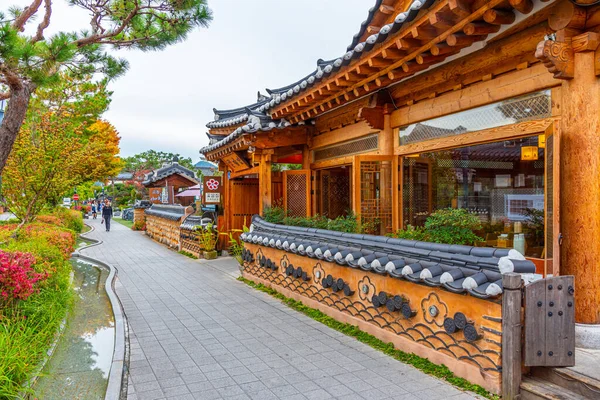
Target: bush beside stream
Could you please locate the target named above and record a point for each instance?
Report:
(35, 292)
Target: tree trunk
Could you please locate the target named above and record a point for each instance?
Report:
(13, 119)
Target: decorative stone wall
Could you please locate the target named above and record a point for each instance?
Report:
(139, 208)
(448, 312)
(163, 223)
(190, 236)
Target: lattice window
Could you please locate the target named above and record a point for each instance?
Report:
(376, 196)
(519, 109)
(357, 146)
(296, 195)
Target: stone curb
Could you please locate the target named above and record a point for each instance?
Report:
(115, 389)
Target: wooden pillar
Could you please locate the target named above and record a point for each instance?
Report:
(227, 211)
(511, 336)
(264, 180)
(386, 137)
(580, 186)
(305, 157)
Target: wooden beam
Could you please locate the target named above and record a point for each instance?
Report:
(522, 44)
(522, 129)
(502, 88)
(499, 17)
(523, 6)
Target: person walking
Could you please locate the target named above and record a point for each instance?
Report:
(94, 211)
(107, 213)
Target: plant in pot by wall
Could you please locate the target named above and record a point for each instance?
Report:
(208, 239)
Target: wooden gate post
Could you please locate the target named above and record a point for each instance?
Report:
(511, 336)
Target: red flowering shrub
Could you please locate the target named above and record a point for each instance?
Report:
(62, 239)
(17, 276)
(139, 226)
(49, 219)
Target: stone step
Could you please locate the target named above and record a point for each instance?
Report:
(536, 389)
(569, 379)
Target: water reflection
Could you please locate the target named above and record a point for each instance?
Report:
(81, 363)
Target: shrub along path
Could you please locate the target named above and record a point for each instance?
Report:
(197, 333)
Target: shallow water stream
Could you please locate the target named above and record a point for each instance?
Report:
(81, 362)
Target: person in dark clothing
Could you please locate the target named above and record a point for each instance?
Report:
(107, 214)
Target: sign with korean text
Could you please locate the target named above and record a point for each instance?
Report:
(212, 189)
(155, 195)
(235, 162)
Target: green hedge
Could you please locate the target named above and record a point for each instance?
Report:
(29, 327)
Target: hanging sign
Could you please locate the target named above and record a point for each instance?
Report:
(155, 195)
(235, 162)
(212, 189)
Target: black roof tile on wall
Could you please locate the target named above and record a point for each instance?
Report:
(459, 269)
(167, 211)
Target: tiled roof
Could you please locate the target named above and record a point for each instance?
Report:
(326, 68)
(257, 121)
(235, 116)
(205, 164)
(365, 24)
(168, 170)
(225, 118)
(459, 269)
(172, 212)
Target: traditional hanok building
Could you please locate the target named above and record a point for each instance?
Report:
(488, 105)
(166, 182)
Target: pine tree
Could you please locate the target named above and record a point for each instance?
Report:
(28, 62)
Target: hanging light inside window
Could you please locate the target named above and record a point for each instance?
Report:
(542, 141)
(529, 153)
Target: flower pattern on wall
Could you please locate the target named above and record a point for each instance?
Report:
(366, 289)
(318, 273)
(434, 310)
(284, 262)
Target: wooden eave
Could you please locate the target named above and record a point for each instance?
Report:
(443, 30)
(275, 138)
(226, 130)
(236, 145)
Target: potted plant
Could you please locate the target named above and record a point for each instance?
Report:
(208, 239)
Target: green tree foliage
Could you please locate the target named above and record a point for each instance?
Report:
(152, 159)
(30, 60)
(58, 146)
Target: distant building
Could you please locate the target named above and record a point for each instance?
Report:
(207, 168)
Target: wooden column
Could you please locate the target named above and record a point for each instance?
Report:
(511, 336)
(580, 185)
(264, 179)
(305, 157)
(227, 211)
(386, 137)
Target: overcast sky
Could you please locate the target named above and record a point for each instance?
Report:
(166, 98)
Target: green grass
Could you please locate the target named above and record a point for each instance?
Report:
(190, 255)
(126, 223)
(26, 333)
(439, 371)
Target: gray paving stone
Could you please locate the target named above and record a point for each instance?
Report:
(197, 333)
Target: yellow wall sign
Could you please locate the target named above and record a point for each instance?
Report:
(529, 153)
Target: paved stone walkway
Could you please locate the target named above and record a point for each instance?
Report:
(197, 333)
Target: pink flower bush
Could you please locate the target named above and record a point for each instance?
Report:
(17, 276)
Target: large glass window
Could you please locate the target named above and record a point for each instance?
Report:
(519, 109)
(501, 182)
